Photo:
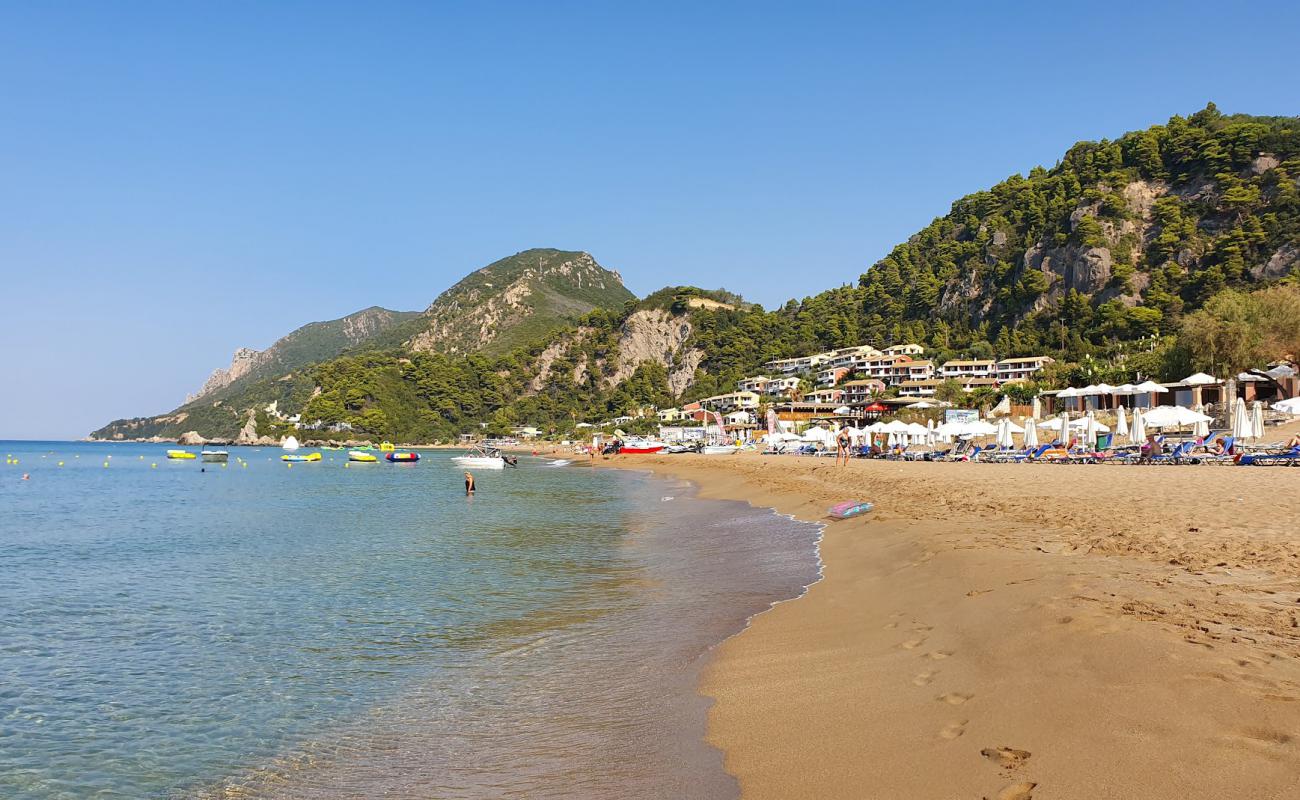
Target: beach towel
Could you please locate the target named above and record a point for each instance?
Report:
(849, 508)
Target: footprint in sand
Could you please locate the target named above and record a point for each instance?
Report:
(1006, 757)
(938, 655)
(890, 626)
(923, 678)
(922, 628)
(953, 730)
(977, 592)
(954, 698)
(1016, 791)
(912, 644)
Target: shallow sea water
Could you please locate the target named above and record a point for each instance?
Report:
(327, 631)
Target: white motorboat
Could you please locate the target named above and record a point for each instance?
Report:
(479, 457)
(214, 456)
(290, 443)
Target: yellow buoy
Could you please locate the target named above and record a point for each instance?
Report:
(60, 463)
(106, 463)
(290, 466)
(153, 466)
(223, 465)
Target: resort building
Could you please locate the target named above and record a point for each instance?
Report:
(904, 350)
(969, 384)
(882, 367)
(730, 402)
(851, 357)
(796, 366)
(832, 376)
(670, 414)
(969, 369)
(754, 384)
(903, 371)
(1010, 369)
(778, 387)
(860, 391)
(833, 397)
(918, 388)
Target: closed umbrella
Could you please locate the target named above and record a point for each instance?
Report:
(1137, 433)
(1031, 433)
(1257, 419)
(1065, 428)
(1240, 421)
(1003, 435)
(1121, 424)
(1036, 410)
(1090, 430)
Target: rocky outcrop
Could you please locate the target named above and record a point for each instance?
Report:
(659, 336)
(1279, 265)
(310, 343)
(191, 438)
(553, 352)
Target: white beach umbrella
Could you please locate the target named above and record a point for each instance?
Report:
(1125, 389)
(1289, 406)
(896, 426)
(1036, 409)
(1150, 387)
(920, 404)
(1064, 419)
(1090, 429)
(1257, 419)
(1172, 417)
(1121, 423)
(842, 411)
(1137, 432)
(1240, 421)
(1005, 439)
(1199, 379)
(1105, 388)
(1068, 391)
(1031, 433)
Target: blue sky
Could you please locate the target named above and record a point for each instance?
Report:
(181, 179)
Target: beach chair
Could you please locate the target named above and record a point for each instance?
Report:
(1228, 456)
(1276, 458)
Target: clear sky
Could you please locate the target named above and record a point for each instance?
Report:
(181, 179)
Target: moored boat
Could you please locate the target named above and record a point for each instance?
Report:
(297, 457)
(718, 449)
(364, 458)
(180, 455)
(641, 446)
(215, 455)
(480, 457)
(402, 457)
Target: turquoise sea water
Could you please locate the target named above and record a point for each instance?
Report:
(332, 631)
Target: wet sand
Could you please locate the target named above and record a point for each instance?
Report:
(1016, 631)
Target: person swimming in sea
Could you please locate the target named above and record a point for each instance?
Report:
(469, 484)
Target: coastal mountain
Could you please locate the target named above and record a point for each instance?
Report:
(516, 300)
(317, 341)
(1102, 261)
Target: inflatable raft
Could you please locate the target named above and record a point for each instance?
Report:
(364, 458)
(294, 457)
(180, 454)
(404, 457)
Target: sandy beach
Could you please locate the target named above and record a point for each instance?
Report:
(1016, 631)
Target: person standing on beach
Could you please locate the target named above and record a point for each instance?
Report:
(842, 441)
(469, 484)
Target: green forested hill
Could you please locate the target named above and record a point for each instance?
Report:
(1133, 255)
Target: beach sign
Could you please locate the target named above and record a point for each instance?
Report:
(849, 508)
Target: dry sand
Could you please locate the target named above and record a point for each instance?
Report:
(1017, 631)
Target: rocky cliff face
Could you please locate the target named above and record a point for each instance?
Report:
(656, 335)
(317, 341)
(516, 300)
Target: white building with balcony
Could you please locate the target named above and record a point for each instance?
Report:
(1010, 369)
(968, 369)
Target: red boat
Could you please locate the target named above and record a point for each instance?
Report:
(641, 446)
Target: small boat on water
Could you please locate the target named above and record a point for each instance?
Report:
(180, 455)
(297, 457)
(212, 456)
(290, 443)
(364, 458)
(402, 457)
(641, 446)
(480, 457)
